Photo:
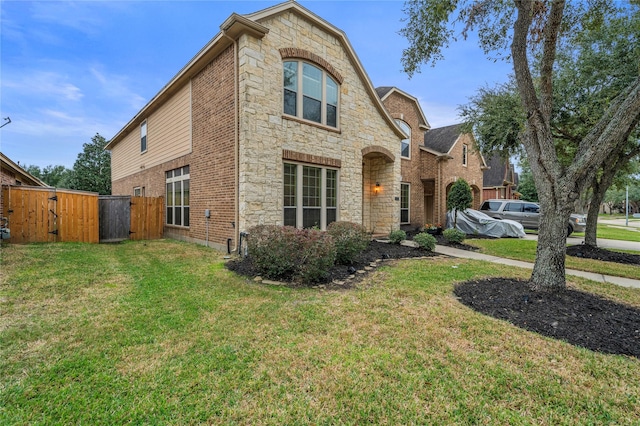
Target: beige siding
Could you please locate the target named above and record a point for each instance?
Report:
(168, 137)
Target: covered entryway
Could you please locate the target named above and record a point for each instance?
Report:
(378, 188)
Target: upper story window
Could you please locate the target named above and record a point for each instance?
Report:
(465, 150)
(143, 136)
(310, 93)
(405, 151)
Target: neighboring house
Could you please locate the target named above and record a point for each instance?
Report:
(432, 160)
(12, 174)
(500, 180)
(274, 121)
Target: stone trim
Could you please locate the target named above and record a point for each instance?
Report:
(294, 52)
(311, 159)
(311, 123)
(389, 157)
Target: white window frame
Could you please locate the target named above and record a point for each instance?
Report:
(300, 94)
(465, 154)
(408, 208)
(407, 129)
(324, 200)
(178, 205)
(143, 137)
(137, 191)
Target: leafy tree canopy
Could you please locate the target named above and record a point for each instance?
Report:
(56, 176)
(92, 169)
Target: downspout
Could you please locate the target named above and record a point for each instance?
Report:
(236, 91)
(439, 191)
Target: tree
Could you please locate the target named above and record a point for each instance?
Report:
(56, 176)
(526, 185)
(537, 28)
(459, 198)
(92, 169)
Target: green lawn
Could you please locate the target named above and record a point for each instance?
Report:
(160, 333)
(525, 250)
(614, 233)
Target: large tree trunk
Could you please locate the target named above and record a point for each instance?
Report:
(549, 268)
(590, 232)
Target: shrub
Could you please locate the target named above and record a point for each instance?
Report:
(454, 235)
(317, 255)
(272, 250)
(425, 240)
(284, 252)
(397, 236)
(350, 240)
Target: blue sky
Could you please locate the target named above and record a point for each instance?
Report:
(70, 70)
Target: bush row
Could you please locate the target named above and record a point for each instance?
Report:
(285, 252)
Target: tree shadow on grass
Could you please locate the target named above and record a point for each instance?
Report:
(580, 318)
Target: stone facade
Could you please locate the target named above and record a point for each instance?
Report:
(266, 134)
(241, 138)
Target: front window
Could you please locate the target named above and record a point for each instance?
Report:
(178, 196)
(405, 151)
(143, 137)
(310, 93)
(310, 196)
(404, 203)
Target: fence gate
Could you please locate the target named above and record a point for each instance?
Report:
(39, 214)
(123, 217)
(115, 218)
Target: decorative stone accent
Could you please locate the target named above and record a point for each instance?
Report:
(294, 52)
(311, 159)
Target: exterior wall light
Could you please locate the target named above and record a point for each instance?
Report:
(376, 189)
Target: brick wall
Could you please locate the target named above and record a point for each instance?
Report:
(402, 108)
(213, 169)
(453, 169)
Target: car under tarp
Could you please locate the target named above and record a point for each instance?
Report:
(474, 222)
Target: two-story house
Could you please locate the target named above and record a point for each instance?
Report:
(431, 161)
(274, 121)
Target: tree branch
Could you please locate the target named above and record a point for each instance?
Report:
(550, 34)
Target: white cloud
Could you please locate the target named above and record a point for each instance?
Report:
(117, 87)
(43, 84)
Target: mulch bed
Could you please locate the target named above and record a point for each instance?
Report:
(577, 317)
(597, 253)
(338, 274)
(582, 319)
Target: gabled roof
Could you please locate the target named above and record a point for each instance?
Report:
(442, 139)
(27, 177)
(231, 29)
(385, 91)
(500, 172)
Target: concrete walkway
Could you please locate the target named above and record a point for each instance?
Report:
(467, 254)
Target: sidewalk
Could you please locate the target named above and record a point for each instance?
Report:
(467, 254)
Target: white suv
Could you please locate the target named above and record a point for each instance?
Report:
(527, 214)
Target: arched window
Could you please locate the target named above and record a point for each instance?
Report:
(405, 151)
(310, 93)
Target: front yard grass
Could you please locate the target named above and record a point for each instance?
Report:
(612, 232)
(525, 250)
(161, 333)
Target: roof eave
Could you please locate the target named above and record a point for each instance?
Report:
(232, 28)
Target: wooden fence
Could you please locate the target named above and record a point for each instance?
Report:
(55, 215)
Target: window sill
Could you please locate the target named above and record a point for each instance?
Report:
(176, 226)
(311, 123)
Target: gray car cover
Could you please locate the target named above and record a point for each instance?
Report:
(473, 222)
